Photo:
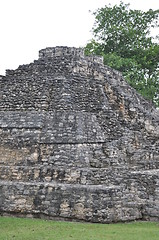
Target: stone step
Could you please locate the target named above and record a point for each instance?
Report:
(92, 176)
(72, 201)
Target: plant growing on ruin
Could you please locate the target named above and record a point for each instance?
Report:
(123, 37)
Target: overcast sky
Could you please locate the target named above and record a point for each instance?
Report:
(26, 26)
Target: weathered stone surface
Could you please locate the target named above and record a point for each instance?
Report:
(76, 142)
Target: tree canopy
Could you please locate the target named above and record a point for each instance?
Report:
(123, 37)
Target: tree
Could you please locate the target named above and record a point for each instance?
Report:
(123, 37)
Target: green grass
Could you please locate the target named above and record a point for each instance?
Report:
(36, 229)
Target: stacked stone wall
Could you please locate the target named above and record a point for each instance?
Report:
(76, 142)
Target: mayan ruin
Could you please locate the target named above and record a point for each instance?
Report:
(77, 142)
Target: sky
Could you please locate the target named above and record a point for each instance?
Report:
(26, 26)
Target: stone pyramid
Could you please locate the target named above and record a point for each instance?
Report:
(76, 142)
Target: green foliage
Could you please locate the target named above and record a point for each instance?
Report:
(122, 37)
(36, 229)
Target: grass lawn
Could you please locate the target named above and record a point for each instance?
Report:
(36, 229)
